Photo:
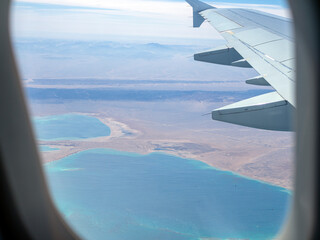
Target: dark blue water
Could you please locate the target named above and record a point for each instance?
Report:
(106, 194)
(69, 127)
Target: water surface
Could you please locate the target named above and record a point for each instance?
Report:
(106, 194)
(69, 127)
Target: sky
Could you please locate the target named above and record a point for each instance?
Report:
(120, 20)
(121, 39)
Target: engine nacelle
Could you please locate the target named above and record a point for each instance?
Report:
(222, 55)
(268, 111)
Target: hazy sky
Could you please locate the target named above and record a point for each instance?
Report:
(124, 20)
(109, 39)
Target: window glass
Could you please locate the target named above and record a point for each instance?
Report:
(122, 114)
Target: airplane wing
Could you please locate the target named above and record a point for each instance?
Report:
(264, 42)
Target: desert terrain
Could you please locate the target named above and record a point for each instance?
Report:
(178, 128)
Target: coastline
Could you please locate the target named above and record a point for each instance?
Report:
(133, 154)
(127, 138)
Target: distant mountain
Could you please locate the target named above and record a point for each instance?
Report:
(69, 48)
(48, 58)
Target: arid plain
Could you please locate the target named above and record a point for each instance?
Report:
(178, 127)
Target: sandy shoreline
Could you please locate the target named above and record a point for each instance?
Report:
(132, 139)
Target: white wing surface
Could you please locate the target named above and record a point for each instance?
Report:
(261, 41)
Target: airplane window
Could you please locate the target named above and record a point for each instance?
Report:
(151, 129)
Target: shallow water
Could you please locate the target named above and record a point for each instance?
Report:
(106, 194)
(69, 127)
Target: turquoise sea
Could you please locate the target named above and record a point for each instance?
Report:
(69, 127)
(107, 194)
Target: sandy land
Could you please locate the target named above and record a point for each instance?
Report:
(251, 155)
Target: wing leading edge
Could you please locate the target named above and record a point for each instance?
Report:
(261, 41)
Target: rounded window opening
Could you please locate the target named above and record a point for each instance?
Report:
(151, 129)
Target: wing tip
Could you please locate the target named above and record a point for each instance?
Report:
(197, 7)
